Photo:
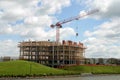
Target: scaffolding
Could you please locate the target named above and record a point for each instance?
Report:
(52, 53)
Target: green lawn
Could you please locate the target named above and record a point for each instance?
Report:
(95, 69)
(25, 68)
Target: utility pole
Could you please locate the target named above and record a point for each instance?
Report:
(53, 54)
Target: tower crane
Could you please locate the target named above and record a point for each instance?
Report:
(58, 25)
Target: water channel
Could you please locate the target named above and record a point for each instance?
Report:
(93, 77)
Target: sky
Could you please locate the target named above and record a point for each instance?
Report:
(23, 20)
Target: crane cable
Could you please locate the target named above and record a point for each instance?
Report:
(76, 31)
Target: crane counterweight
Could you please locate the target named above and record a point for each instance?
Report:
(52, 26)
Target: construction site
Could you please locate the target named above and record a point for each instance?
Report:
(55, 54)
(51, 53)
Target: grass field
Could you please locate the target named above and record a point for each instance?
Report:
(95, 69)
(25, 68)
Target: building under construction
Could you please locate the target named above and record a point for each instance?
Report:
(52, 54)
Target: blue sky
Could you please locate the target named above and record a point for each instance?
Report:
(24, 20)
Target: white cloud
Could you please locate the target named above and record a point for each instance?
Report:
(108, 9)
(33, 15)
(36, 16)
(66, 33)
(87, 33)
(108, 29)
(6, 30)
(39, 34)
(41, 21)
(104, 41)
(8, 48)
(51, 7)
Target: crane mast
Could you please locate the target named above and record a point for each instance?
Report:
(58, 25)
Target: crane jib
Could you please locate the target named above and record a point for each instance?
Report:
(59, 24)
